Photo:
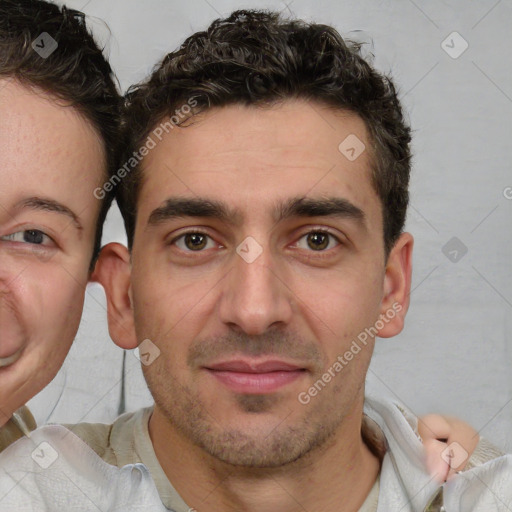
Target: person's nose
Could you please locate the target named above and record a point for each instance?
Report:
(255, 297)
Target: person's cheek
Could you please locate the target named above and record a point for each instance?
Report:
(65, 298)
(12, 333)
(18, 311)
(53, 320)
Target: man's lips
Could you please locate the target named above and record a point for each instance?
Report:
(255, 377)
(254, 366)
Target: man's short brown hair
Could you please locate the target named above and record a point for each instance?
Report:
(259, 58)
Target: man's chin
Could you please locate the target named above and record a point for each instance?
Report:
(256, 450)
(259, 435)
(267, 430)
(257, 404)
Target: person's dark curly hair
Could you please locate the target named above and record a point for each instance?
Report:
(257, 57)
(77, 72)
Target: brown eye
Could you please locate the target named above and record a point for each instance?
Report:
(318, 241)
(195, 241)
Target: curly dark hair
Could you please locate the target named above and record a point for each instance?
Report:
(76, 72)
(257, 57)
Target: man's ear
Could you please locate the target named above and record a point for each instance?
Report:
(397, 287)
(112, 271)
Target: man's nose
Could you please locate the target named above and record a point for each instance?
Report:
(255, 296)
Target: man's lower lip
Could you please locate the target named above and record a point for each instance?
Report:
(256, 383)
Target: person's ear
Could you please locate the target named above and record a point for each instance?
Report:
(112, 271)
(397, 287)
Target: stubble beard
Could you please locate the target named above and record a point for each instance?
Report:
(280, 444)
(292, 432)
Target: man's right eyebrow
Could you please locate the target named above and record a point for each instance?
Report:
(178, 207)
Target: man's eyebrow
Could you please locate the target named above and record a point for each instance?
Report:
(50, 205)
(176, 207)
(319, 207)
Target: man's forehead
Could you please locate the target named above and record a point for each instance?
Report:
(294, 131)
(229, 152)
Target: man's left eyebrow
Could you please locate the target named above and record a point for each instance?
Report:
(320, 207)
(50, 205)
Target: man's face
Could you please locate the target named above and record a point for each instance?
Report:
(51, 162)
(251, 308)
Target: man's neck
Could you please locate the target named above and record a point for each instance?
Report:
(335, 477)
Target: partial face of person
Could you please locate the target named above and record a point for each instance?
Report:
(52, 160)
(258, 259)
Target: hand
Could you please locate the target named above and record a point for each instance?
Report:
(444, 436)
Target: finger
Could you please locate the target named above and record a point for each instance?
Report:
(437, 466)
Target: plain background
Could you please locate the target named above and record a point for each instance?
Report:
(455, 354)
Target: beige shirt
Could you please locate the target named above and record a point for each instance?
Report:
(127, 441)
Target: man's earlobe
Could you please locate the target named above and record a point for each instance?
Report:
(397, 287)
(113, 273)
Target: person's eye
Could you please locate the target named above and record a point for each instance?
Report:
(29, 236)
(193, 241)
(318, 240)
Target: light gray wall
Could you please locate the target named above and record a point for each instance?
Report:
(454, 355)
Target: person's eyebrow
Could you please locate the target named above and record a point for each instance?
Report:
(320, 207)
(50, 205)
(176, 207)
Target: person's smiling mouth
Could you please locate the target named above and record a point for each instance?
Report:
(255, 377)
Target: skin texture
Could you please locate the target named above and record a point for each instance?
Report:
(293, 303)
(49, 153)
